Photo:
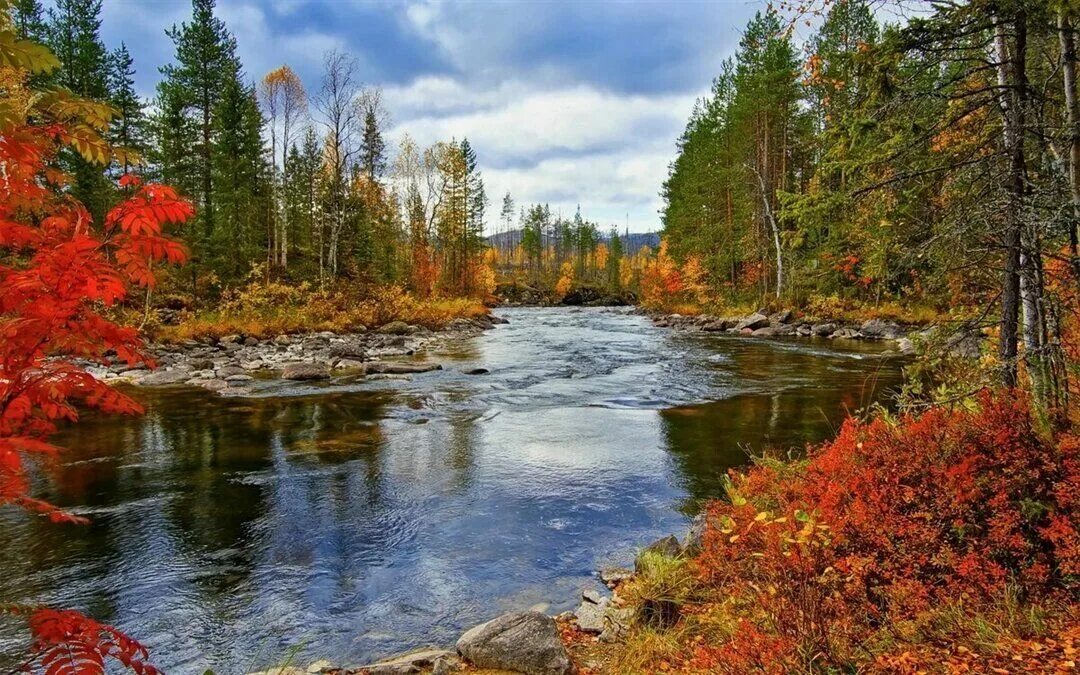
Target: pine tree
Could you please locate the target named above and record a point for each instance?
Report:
(189, 94)
(28, 18)
(129, 129)
(372, 147)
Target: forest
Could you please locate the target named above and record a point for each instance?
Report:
(847, 165)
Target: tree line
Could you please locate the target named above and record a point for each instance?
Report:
(932, 162)
(288, 184)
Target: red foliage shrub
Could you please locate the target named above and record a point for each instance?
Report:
(888, 522)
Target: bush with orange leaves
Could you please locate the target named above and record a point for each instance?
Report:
(890, 546)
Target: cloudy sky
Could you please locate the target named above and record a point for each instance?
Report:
(565, 102)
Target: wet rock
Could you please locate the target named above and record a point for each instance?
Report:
(668, 546)
(718, 325)
(753, 322)
(767, 331)
(823, 329)
(235, 379)
(305, 371)
(527, 642)
(845, 334)
(213, 385)
(804, 331)
(163, 378)
(226, 371)
(350, 349)
(476, 371)
(405, 664)
(399, 368)
(498, 319)
(876, 329)
(349, 364)
(397, 328)
(613, 576)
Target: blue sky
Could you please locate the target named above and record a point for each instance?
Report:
(565, 102)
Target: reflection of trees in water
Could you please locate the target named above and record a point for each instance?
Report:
(708, 439)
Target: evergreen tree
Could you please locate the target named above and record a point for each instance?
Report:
(372, 147)
(28, 18)
(189, 94)
(129, 129)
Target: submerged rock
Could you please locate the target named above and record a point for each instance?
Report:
(305, 371)
(399, 368)
(527, 642)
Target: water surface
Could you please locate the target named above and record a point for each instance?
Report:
(353, 519)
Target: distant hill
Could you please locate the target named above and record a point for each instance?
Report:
(632, 241)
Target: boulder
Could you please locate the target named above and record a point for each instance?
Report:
(616, 623)
(753, 322)
(876, 329)
(527, 642)
(613, 576)
(444, 665)
(823, 329)
(718, 326)
(476, 371)
(229, 339)
(399, 367)
(163, 378)
(405, 664)
(590, 614)
(499, 320)
(767, 331)
(783, 316)
(845, 333)
(668, 546)
(397, 328)
(305, 371)
(350, 349)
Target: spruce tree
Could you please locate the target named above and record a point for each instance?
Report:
(28, 18)
(129, 129)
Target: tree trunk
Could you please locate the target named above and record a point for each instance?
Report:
(1011, 72)
(775, 234)
(1072, 108)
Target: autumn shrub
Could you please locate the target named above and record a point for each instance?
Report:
(265, 309)
(954, 527)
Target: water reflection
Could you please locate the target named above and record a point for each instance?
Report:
(361, 518)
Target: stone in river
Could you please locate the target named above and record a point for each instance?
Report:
(753, 322)
(526, 642)
(476, 371)
(305, 371)
(166, 377)
(399, 368)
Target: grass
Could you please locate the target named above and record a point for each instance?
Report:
(266, 310)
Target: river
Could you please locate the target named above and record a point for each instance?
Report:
(353, 519)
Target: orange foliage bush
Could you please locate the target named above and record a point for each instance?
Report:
(880, 529)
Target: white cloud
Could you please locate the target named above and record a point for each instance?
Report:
(575, 145)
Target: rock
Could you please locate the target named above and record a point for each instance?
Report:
(444, 665)
(163, 378)
(719, 325)
(305, 371)
(399, 367)
(476, 371)
(767, 331)
(319, 666)
(965, 344)
(753, 322)
(349, 363)
(590, 614)
(350, 349)
(616, 623)
(240, 377)
(804, 331)
(668, 546)
(385, 376)
(226, 371)
(613, 576)
(283, 340)
(845, 333)
(526, 642)
(251, 341)
(591, 595)
(905, 346)
(229, 339)
(405, 664)
(214, 385)
(200, 364)
(692, 545)
(823, 329)
(498, 319)
(397, 328)
(783, 316)
(876, 329)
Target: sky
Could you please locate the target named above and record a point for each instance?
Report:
(566, 103)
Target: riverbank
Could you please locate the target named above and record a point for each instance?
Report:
(231, 364)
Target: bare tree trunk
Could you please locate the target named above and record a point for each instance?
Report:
(1072, 108)
(775, 233)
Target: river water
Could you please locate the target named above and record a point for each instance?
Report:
(350, 520)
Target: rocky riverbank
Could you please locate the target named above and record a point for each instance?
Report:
(528, 642)
(230, 365)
